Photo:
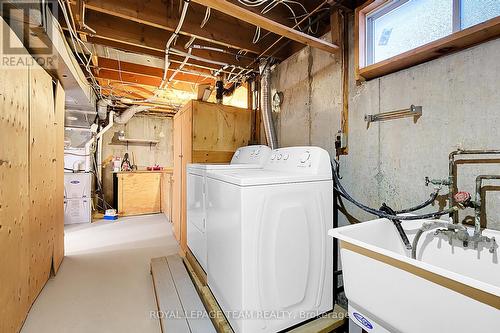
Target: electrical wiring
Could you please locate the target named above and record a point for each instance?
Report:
(256, 36)
(186, 58)
(85, 62)
(206, 18)
(262, 54)
(169, 44)
(271, 4)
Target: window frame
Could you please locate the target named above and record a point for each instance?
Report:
(459, 39)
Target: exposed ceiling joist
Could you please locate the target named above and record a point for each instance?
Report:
(150, 38)
(154, 72)
(267, 24)
(140, 50)
(158, 14)
(136, 79)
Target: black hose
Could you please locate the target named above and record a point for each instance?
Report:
(397, 224)
(420, 206)
(341, 190)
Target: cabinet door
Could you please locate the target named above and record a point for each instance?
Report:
(177, 178)
(187, 148)
(140, 193)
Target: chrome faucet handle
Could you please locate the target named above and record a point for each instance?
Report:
(437, 182)
(493, 245)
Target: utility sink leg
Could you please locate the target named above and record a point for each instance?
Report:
(353, 328)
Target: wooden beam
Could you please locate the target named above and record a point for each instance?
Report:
(267, 24)
(135, 79)
(339, 33)
(193, 63)
(121, 92)
(154, 72)
(150, 38)
(156, 13)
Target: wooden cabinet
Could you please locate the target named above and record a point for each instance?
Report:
(203, 133)
(166, 193)
(139, 193)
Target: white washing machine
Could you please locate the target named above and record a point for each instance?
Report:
(249, 157)
(270, 258)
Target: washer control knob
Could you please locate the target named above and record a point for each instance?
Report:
(286, 156)
(305, 157)
(279, 156)
(257, 151)
(237, 154)
(273, 156)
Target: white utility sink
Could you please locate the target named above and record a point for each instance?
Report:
(448, 288)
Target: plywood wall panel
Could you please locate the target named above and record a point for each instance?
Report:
(42, 178)
(218, 130)
(14, 200)
(28, 207)
(203, 133)
(58, 253)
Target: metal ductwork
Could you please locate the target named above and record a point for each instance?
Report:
(102, 108)
(126, 115)
(265, 107)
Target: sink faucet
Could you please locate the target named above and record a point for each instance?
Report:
(453, 231)
(463, 199)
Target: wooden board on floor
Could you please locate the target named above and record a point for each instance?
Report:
(176, 294)
(189, 297)
(208, 299)
(198, 270)
(167, 299)
(327, 323)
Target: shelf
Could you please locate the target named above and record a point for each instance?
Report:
(117, 139)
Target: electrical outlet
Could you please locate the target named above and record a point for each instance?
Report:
(340, 140)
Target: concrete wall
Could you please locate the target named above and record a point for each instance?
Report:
(387, 162)
(139, 127)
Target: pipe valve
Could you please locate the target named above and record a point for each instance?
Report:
(462, 197)
(437, 182)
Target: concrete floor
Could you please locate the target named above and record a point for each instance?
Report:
(104, 283)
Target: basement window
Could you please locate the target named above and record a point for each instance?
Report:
(414, 31)
(404, 25)
(473, 12)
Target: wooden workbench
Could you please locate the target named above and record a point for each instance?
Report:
(143, 192)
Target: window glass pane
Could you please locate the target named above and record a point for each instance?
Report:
(409, 25)
(478, 11)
